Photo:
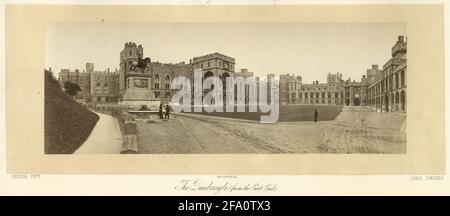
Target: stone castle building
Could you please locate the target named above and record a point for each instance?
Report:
(335, 91)
(387, 86)
(383, 90)
(140, 80)
(96, 86)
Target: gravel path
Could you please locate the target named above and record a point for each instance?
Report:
(106, 137)
(351, 132)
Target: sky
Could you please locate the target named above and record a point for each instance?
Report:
(309, 50)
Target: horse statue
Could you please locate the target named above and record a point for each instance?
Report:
(140, 63)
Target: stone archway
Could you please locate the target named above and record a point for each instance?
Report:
(224, 86)
(397, 101)
(403, 101)
(207, 74)
(356, 101)
(386, 103)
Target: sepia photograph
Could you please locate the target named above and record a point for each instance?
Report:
(225, 99)
(225, 88)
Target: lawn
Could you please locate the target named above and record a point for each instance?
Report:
(67, 123)
(288, 113)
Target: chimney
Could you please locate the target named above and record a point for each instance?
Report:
(50, 69)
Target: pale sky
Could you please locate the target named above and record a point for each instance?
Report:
(308, 50)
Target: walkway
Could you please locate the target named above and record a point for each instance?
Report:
(106, 137)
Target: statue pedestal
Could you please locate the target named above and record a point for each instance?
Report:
(139, 94)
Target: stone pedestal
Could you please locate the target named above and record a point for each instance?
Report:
(139, 94)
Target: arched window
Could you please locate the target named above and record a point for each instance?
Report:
(403, 100)
(156, 81)
(402, 77)
(167, 82)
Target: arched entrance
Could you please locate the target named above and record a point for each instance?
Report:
(386, 103)
(207, 74)
(347, 102)
(392, 103)
(356, 101)
(224, 86)
(397, 101)
(403, 100)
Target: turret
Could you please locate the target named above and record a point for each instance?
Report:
(399, 49)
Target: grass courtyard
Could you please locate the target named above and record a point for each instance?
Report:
(288, 113)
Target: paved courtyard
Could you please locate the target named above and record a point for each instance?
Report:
(353, 131)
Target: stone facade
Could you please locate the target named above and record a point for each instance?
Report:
(96, 86)
(387, 89)
(383, 90)
(335, 91)
(104, 86)
(83, 79)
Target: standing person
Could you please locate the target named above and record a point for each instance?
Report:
(316, 114)
(160, 111)
(167, 111)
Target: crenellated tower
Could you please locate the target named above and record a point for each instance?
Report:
(128, 57)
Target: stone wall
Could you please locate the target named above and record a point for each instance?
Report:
(127, 124)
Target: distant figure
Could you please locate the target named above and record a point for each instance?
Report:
(160, 111)
(167, 111)
(316, 114)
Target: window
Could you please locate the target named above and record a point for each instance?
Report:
(156, 82)
(167, 82)
(167, 95)
(396, 81)
(402, 76)
(336, 95)
(157, 94)
(317, 95)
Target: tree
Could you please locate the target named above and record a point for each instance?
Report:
(71, 88)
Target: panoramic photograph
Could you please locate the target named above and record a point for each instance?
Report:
(225, 88)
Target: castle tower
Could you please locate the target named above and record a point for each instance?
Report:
(128, 55)
(135, 85)
(89, 67)
(399, 49)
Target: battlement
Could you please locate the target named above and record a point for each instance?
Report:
(130, 44)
